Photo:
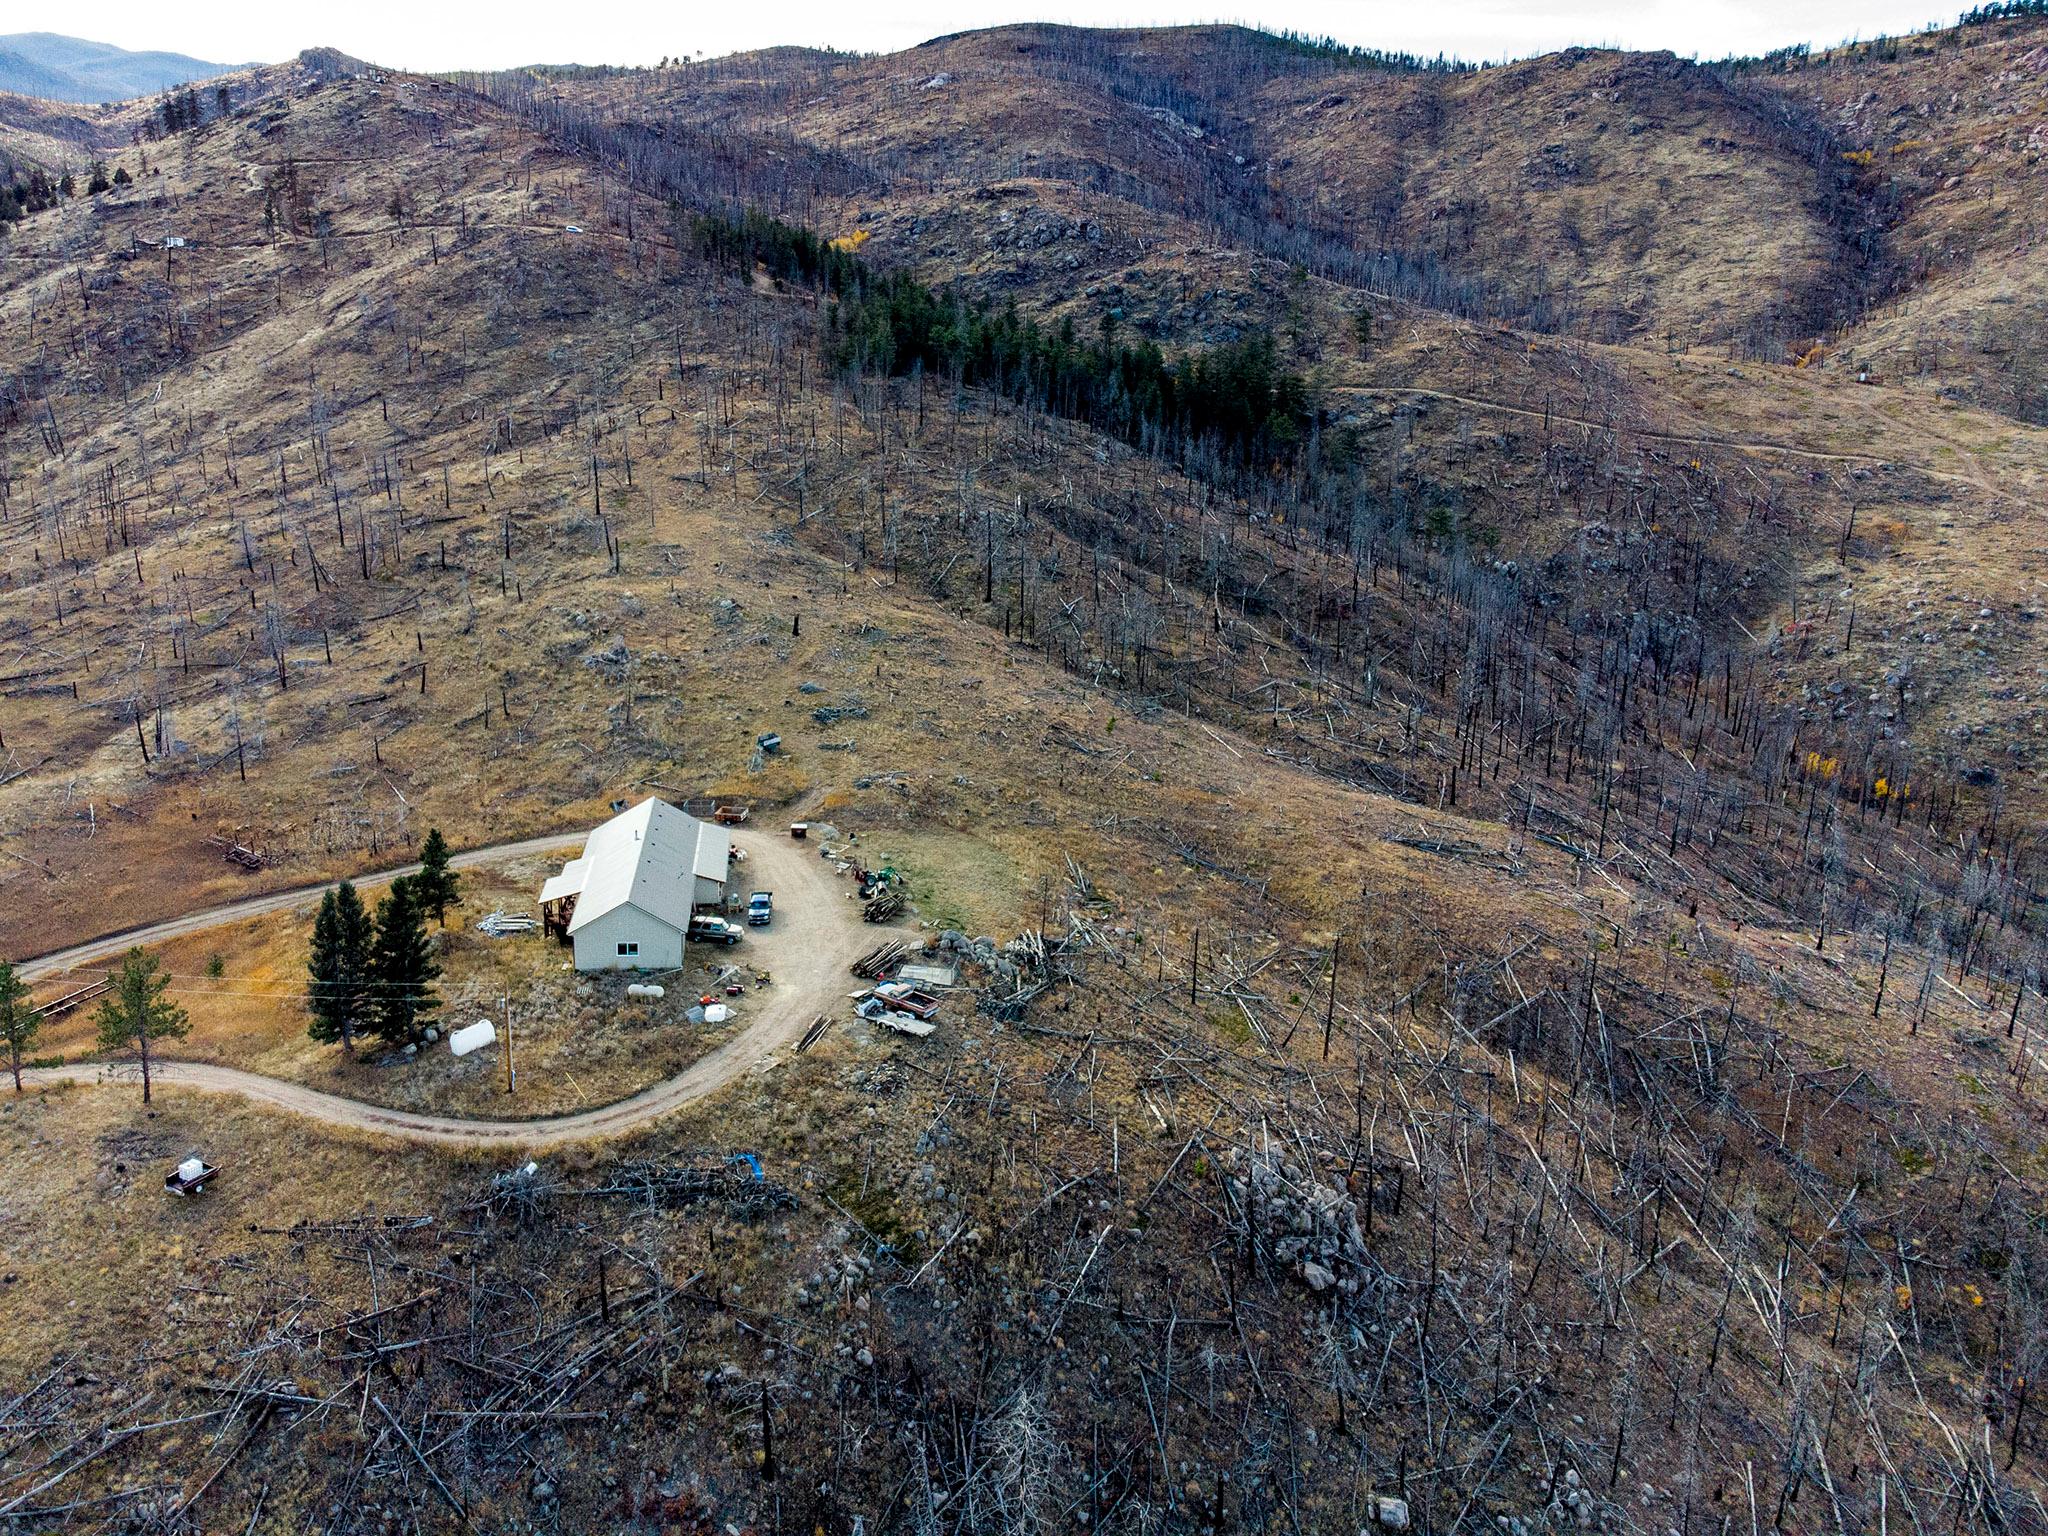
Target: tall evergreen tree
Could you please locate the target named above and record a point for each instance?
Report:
(437, 885)
(136, 1011)
(402, 965)
(18, 1021)
(339, 992)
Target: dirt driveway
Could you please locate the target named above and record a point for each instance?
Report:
(816, 935)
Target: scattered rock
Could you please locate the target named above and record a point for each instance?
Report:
(613, 663)
(1303, 1221)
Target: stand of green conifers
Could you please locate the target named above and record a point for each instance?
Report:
(1235, 401)
(366, 975)
(375, 974)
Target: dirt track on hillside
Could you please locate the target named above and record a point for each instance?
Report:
(816, 935)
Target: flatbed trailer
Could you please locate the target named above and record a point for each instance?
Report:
(186, 1180)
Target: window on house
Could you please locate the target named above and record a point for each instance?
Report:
(628, 951)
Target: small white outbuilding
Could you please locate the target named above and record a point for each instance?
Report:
(625, 904)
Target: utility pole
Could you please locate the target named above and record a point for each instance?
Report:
(510, 1076)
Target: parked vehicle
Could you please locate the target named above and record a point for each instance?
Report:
(903, 996)
(714, 930)
(760, 909)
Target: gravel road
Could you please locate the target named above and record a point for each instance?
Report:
(816, 935)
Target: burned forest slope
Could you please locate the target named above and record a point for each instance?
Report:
(1514, 886)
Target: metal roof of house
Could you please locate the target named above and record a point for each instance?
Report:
(649, 857)
(568, 883)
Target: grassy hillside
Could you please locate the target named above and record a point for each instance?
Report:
(1546, 1012)
(1544, 190)
(1939, 131)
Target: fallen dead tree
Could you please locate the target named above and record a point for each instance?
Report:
(735, 1184)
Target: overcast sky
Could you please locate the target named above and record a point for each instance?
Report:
(456, 34)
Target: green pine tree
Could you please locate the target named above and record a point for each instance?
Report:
(437, 885)
(402, 965)
(338, 994)
(136, 1011)
(18, 1021)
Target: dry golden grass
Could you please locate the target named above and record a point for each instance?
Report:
(578, 1042)
(979, 769)
(1557, 175)
(1947, 120)
(98, 1255)
(317, 794)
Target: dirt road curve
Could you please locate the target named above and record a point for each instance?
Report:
(113, 944)
(817, 933)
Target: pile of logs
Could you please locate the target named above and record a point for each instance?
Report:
(1035, 964)
(668, 1184)
(240, 853)
(871, 965)
(72, 999)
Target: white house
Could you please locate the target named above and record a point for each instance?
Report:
(625, 905)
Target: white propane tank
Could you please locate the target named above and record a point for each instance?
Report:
(645, 989)
(472, 1037)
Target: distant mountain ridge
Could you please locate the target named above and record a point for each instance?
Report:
(59, 68)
